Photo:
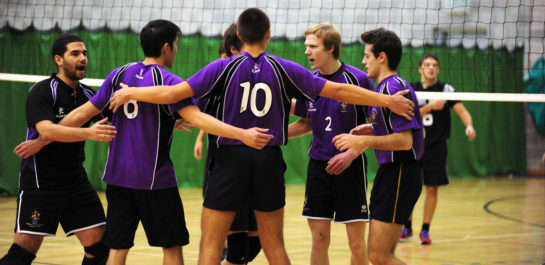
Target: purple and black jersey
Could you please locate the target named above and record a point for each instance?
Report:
(251, 92)
(56, 163)
(386, 122)
(139, 155)
(330, 117)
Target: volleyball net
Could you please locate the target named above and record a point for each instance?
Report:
(483, 46)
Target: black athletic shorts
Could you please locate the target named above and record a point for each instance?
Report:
(341, 195)
(75, 206)
(161, 212)
(243, 175)
(244, 220)
(395, 191)
(434, 164)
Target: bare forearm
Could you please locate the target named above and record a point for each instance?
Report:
(425, 109)
(201, 135)
(59, 133)
(210, 124)
(354, 95)
(299, 128)
(464, 115)
(394, 142)
(161, 94)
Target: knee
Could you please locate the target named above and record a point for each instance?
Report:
(378, 257)
(357, 248)
(431, 191)
(320, 240)
(96, 254)
(237, 248)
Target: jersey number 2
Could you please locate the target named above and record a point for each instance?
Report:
(253, 105)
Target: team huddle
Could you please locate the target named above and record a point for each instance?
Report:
(243, 102)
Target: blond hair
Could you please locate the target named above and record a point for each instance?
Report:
(330, 37)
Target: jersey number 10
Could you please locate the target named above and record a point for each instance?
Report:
(253, 105)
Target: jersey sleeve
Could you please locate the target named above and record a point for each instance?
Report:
(39, 104)
(301, 109)
(102, 98)
(399, 123)
(203, 81)
(448, 88)
(307, 86)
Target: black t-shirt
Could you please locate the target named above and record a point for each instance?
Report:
(57, 162)
(437, 122)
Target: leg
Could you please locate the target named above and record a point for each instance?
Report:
(356, 240)
(430, 203)
(214, 227)
(271, 233)
(23, 250)
(29, 242)
(96, 253)
(173, 256)
(383, 239)
(117, 256)
(321, 237)
(90, 237)
(237, 248)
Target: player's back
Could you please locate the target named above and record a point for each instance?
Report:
(255, 92)
(139, 155)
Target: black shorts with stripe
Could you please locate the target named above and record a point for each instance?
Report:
(242, 175)
(76, 206)
(336, 197)
(395, 191)
(434, 164)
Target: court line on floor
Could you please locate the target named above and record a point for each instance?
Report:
(486, 208)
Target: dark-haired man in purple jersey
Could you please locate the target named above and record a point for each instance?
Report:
(336, 185)
(398, 144)
(253, 89)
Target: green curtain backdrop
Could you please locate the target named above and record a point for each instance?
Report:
(498, 149)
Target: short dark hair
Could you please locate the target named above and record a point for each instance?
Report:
(426, 56)
(155, 34)
(221, 48)
(230, 38)
(59, 45)
(253, 24)
(385, 41)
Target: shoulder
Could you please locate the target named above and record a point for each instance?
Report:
(86, 88)
(447, 87)
(399, 83)
(46, 85)
(170, 78)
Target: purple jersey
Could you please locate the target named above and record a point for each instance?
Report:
(139, 155)
(251, 92)
(386, 122)
(330, 117)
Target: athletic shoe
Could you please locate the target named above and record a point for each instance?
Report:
(425, 238)
(406, 234)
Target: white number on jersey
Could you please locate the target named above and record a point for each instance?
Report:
(131, 115)
(328, 127)
(427, 120)
(253, 105)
